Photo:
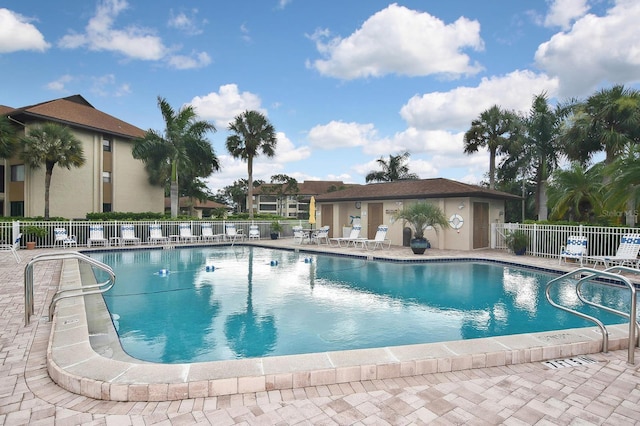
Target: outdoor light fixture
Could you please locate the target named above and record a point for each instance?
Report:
(461, 206)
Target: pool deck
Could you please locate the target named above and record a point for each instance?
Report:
(463, 382)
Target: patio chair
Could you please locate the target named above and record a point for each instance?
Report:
(155, 234)
(321, 235)
(128, 235)
(254, 232)
(353, 238)
(185, 233)
(576, 249)
(627, 253)
(299, 235)
(380, 240)
(232, 234)
(207, 233)
(13, 248)
(96, 236)
(62, 238)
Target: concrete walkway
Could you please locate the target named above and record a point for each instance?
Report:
(604, 392)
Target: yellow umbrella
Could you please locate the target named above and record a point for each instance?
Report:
(312, 211)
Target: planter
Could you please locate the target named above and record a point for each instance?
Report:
(274, 235)
(31, 245)
(520, 252)
(419, 245)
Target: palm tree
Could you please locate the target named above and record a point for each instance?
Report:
(253, 134)
(181, 147)
(50, 144)
(7, 138)
(576, 192)
(494, 129)
(623, 190)
(393, 170)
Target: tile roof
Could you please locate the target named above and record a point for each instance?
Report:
(75, 111)
(414, 189)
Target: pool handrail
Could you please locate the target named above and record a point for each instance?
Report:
(588, 274)
(61, 294)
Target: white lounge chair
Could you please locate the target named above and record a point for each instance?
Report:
(207, 233)
(232, 234)
(254, 232)
(380, 240)
(13, 248)
(185, 233)
(576, 249)
(62, 238)
(627, 253)
(321, 235)
(155, 234)
(353, 238)
(128, 235)
(96, 236)
(299, 235)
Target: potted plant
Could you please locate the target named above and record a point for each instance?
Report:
(276, 228)
(31, 233)
(419, 216)
(517, 241)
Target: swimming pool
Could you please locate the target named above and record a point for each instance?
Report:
(217, 303)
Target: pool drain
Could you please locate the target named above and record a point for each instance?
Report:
(568, 362)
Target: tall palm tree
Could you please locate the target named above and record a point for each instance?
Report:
(576, 192)
(181, 146)
(623, 190)
(493, 129)
(7, 138)
(394, 169)
(253, 134)
(50, 144)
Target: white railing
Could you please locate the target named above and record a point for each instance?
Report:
(546, 240)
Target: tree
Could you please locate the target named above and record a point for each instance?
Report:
(393, 170)
(576, 193)
(253, 134)
(623, 190)
(179, 150)
(494, 129)
(7, 138)
(50, 144)
(282, 185)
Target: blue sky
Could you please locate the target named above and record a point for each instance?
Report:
(343, 82)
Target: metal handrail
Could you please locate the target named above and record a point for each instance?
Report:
(610, 274)
(61, 294)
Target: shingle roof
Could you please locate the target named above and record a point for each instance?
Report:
(75, 111)
(414, 189)
(309, 188)
(197, 204)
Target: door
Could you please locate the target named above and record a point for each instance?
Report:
(374, 219)
(480, 225)
(327, 217)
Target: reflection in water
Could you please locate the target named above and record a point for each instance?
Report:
(254, 302)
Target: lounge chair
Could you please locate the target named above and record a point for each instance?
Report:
(96, 236)
(62, 238)
(185, 233)
(13, 248)
(353, 238)
(128, 235)
(155, 234)
(207, 233)
(576, 248)
(254, 232)
(321, 235)
(232, 234)
(627, 253)
(299, 235)
(380, 240)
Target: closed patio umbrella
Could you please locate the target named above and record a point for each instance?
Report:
(312, 211)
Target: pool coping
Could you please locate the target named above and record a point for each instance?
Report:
(75, 366)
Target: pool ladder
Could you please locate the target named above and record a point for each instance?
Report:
(63, 294)
(585, 274)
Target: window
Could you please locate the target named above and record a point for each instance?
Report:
(106, 207)
(17, 208)
(106, 177)
(17, 173)
(267, 207)
(106, 144)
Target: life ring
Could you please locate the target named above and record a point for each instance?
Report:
(456, 221)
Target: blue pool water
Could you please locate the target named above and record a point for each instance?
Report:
(219, 303)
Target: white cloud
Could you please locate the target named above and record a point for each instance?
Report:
(597, 49)
(107, 86)
(428, 141)
(17, 33)
(59, 85)
(562, 13)
(196, 60)
(402, 41)
(287, 152)
(338, 134)
(187, 23)
(455, 109)
(222, 107)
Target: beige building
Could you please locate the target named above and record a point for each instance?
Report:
(470, 209)
(110, 180)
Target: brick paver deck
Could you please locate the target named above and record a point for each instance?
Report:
(605, 392)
